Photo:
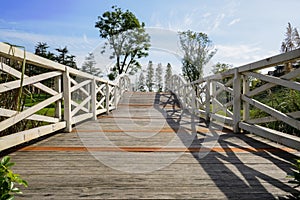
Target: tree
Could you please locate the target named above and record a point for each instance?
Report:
(158, 77)
(41, 49)
(141, 82)
(149, 76)
(126, 37)
(89, 65)
(168, 75)
(197, 50)
(64, 58)
(220, 67)
(61, 58)
(291, 42)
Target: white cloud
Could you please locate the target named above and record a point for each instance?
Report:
(240, 54)
(78, 46)
(234, 21)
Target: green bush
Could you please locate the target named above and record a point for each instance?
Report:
(296, 177)
(8, 180)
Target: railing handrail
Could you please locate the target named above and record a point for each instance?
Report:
(97, 96)
(7, 50)
(238, 89)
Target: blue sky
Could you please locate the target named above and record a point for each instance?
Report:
(243, 31)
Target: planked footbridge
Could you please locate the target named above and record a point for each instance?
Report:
(199, 140)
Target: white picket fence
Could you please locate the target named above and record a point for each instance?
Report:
(202, 97)
(84, 96)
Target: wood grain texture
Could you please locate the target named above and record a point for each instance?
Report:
(153, 152)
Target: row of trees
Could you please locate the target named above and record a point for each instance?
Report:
(154, 78)
(63, 56)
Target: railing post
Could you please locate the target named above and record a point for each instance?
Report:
(207, 102)
(58, 110)
(67, 100)
(246, 88)
(107, 98)
(236, 101)
(94, 99)
(214, 96)
(116, 96)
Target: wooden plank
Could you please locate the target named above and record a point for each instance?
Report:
(291, 75)
(17, 74)
(67, 100)
(6, 51)
(246, 106)
(275, 80)
(26, 113)
(27, 81)
(236, 100)
(223, 119)
(9, 113)
(222, 107)
(58, 104)
(222, 88)
(294, 115)
(81, 117)
(81, 89)
(81, 106)
(25, 136)
(273, 112)
(276, 136)
(271, 61)
(80, 86)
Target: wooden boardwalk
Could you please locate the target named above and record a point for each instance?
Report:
(150, 148)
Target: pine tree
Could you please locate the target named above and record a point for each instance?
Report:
(89, 65)
(158, 77)
(149, 77)
(168, 76)
(141, 82)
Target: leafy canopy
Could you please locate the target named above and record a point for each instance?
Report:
(197, 52)
(126, 37)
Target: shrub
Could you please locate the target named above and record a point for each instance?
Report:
(8, 180)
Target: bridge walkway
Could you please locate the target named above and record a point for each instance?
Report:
(150, 148)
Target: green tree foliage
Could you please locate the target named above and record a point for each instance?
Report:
(89, 65)
(220, 67)
(197, 50)
(150, 76)
(168, 75)
(8, 180)
(126, 37)
(141, 82)
(64, 58)
(158, 77)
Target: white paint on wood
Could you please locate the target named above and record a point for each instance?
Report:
(25, 136)
(236, 101)
(27, 81)
(9, 113)
(67, 100)
(18, 74)
(273, 112)
(26, 113)
(276, 136)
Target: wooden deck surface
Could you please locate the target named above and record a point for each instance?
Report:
(150, 148)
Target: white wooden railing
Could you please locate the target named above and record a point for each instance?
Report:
(78, 96)
(229, 97)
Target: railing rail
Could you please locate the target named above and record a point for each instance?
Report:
(229, 97)
(77, 96)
